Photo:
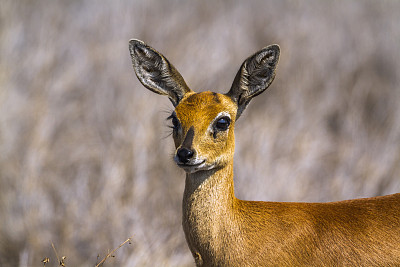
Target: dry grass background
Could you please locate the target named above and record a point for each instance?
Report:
(84, 162)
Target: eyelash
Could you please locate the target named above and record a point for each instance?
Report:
(175, 122)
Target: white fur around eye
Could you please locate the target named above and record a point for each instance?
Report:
(210, 128)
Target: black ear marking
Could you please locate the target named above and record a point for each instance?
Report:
(156, 73)
(254, 76)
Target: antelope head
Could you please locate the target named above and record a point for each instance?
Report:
(203, 123)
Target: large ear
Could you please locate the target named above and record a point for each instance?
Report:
(254, 76)
(156, 73)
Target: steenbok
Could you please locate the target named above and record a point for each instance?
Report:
(222, 230)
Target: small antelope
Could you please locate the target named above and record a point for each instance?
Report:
(222, 230)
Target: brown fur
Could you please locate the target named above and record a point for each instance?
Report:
(222, 230)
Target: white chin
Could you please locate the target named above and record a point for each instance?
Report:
(201, 167)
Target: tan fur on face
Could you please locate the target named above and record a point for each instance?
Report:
(216, 151)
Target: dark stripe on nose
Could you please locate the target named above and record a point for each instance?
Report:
(187, 143)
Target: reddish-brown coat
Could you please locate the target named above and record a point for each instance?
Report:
(222, 230)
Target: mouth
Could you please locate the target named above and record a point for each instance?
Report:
(189, 167)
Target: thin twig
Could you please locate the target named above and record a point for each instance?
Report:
(60, 262)
(55, 251)
(109, 254)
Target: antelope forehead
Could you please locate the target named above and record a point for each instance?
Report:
(207, 99)
(201, 109)
(202, 116)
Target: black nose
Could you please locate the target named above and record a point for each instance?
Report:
(184, 154)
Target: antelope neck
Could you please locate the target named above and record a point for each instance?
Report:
(214, 186)
(208, 212)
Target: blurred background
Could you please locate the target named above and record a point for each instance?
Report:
(85, 157)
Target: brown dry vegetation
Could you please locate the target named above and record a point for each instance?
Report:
(84, 162)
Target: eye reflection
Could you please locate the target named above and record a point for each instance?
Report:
(222, 124)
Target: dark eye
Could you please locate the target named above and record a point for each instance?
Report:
(223, 123)
(175, 123)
